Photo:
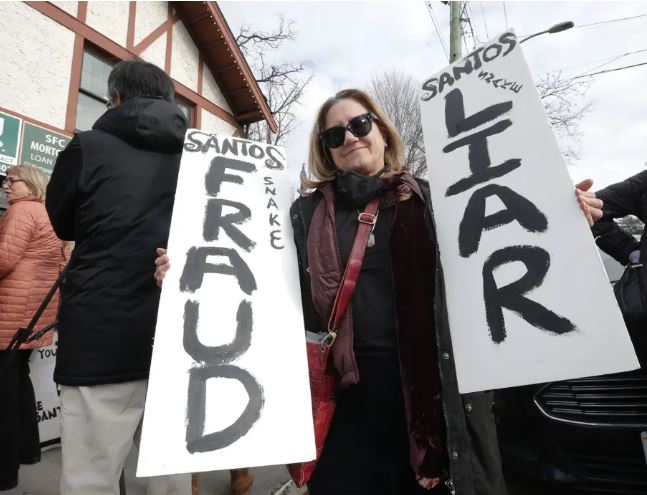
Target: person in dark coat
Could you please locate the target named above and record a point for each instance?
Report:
(628, 197)
(400, 426)
(112, 193)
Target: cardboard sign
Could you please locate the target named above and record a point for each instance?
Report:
(40, 147)
(48, 407)
(9, 139)
(229, 379)
(527, 295)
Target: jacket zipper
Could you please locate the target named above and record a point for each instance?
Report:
(449, 483)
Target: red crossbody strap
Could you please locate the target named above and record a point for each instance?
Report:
(366, 221)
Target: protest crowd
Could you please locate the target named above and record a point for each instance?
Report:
(370, 276)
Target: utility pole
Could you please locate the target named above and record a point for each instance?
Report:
(454, 31)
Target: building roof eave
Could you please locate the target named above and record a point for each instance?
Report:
(222, 55)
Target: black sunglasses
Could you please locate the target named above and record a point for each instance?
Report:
(359, 126)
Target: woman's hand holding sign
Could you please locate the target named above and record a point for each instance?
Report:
(589, 204)
(162, 264)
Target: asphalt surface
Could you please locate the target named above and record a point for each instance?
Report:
(43, 479)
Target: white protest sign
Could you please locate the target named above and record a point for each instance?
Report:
(229, 382)
(48, 407)
(527, 296)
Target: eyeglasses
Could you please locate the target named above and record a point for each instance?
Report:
(359, 126)
(10, 181)
(109, 104)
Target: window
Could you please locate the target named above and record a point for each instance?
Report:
(186, 108)
(93, 92)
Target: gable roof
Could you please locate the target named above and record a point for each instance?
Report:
(220, 52)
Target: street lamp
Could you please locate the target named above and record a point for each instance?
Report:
(562, 26)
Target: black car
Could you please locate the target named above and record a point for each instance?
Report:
(584, 434)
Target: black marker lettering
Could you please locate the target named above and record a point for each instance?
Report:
(193, 144)
(221, 353)
(276, 161)
(275, 238)
(475, 221)
(214, 221)
(196, 439)
(196, 267)
(466, 69)
(273, 220)
(510, 40)
(455, 119)
(216, 174)
(230, 146)
(512, 296)
(497, 49)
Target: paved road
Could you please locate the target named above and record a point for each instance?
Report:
(43, 478)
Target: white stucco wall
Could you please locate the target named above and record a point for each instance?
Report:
(211, 91)
(184, 58)
(34, 71)
(156, 52)
(110, 19)
(215, 125)
(148, 17)
(69, 7)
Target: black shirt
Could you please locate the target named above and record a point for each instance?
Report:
(373, 300)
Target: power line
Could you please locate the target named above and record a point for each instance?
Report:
(474, 31)
(606, 60)
(485, 22)
(602, 22)
(465, 19)
(430, 9)
(609, 21)
(609, 62)
(610, 70)
(505, 13)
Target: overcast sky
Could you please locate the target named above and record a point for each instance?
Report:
(345, 44)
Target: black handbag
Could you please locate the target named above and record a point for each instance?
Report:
(630, 294)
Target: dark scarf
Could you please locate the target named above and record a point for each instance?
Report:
(414, 264)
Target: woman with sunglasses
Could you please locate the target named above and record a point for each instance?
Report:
(31, 257)
(400, 425)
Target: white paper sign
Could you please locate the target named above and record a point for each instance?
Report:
(48, 406)
(527, 296)
(229, 379)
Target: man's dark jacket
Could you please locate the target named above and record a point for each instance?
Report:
(471, 440)
(628, 197)
(112, 192)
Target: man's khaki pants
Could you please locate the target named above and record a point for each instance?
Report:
(99, 424)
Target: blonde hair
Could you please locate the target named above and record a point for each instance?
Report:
(320, 164)
(35, 179)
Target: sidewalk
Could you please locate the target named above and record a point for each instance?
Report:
(43, 479)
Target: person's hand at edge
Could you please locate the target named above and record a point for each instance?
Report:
(162, 264)
(589, 204)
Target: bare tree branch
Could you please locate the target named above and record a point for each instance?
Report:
(283, 84)
(397, 94)
(565, 106)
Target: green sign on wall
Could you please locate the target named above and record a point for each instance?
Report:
(9, 139)
(40, 147)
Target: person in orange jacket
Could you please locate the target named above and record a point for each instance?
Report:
(31, 258)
